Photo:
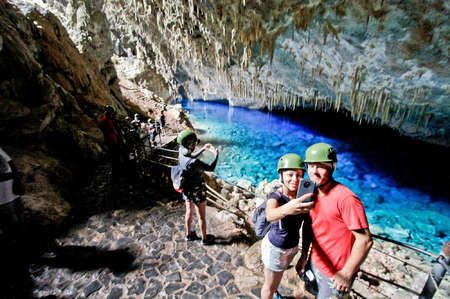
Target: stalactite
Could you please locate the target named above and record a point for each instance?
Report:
(379, 102)
(402, 116)
(387, 108)
(338, 101)
(315, 100)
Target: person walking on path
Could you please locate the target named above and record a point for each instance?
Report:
(286, 214)
(341, 232)
(194, 189)
(107, 124)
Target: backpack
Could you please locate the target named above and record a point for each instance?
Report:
(177, 176)
(262, 226)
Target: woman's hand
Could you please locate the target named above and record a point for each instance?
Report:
(297, 206)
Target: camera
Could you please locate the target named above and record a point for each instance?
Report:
(306, 186)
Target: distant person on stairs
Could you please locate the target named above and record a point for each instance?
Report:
(341, 232)
(194, 189)
(107, 124)
(162, 121)
(286, 214)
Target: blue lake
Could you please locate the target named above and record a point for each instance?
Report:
(389, 179)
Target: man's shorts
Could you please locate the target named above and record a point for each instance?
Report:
(274, 258)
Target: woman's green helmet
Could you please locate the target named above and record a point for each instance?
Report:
(184, 136)
(320, 152)
(290, 161)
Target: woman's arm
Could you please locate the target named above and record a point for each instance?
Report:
(198, 152)
(293, 207)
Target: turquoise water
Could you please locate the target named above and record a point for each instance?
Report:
(397, 205)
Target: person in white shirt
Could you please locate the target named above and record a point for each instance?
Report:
(10, 205)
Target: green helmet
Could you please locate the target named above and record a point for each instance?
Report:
(320, 152)
(185, 135)
(290, 161)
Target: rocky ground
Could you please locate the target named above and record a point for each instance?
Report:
(127, 241)
(151, 259)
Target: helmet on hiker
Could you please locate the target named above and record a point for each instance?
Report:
(290, 161)
(320, 152)
(110, 109)
(184, 136)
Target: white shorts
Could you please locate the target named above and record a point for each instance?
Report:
(274, 258)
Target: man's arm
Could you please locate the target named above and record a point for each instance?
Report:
(363, 242)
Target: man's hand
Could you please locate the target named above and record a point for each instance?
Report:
(342, 281)
(301, 265)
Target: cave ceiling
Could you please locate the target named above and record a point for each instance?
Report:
(381, 62)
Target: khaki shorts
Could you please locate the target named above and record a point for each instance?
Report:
(274, 258)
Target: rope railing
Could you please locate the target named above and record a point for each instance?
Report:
(400, 260)
(405, 245)
(168, 157)
(166, 150)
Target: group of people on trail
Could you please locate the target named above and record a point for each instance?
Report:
(148, 130)
(335, 236)
(128, 138)
(334, 227)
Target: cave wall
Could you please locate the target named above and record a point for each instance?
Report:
(381, 62)
(50, 100)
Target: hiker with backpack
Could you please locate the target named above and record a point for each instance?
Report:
(191, 182)
(286, 214)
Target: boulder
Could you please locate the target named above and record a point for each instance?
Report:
(225, 225)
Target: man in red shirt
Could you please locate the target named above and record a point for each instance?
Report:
(341, 232)
(111, 136)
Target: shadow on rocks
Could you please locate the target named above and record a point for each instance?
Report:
(15, 280)
(83, 258)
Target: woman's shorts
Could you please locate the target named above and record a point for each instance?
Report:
(274, 258)
(196, 194)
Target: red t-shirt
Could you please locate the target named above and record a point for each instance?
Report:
(106, 124)
(333, 217)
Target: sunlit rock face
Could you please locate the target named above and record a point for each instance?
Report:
(382, 62)
(50, 98)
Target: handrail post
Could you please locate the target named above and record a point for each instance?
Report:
(437, 273)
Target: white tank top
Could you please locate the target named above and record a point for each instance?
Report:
(6, 187)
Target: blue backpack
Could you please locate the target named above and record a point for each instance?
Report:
(262, 226)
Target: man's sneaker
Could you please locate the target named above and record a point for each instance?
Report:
(191, 237)
(208, 240)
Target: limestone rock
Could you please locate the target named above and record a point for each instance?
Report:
(224, 225)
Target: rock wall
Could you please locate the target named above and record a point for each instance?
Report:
(380, 62)
(50, 98)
